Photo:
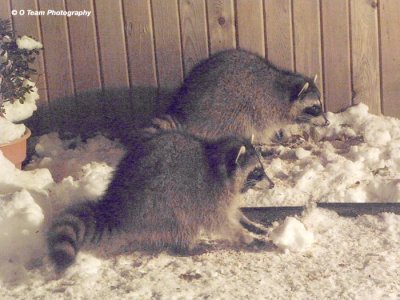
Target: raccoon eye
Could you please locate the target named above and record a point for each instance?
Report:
(314, 110)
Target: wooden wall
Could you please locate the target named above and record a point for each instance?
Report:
(353, 45)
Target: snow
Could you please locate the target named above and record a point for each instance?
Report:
(10, 131)
(20, 220)
(316, 255)
(25, 42)
(17, 111)
(3, 57)
(291, 235)
(355, 159)
(301, 153)
(13, 179)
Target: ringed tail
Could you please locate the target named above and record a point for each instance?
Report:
(74, 227)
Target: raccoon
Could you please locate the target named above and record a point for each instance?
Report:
(235, 92)
(165, 190)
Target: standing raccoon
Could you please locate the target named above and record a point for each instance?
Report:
(165, 190)
(239, 93)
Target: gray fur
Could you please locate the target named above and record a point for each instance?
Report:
(239, 93)
(171, 185)
(165, 190)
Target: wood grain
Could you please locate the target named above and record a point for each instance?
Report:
(390, 53)
(5, 9)
(56, 51)
(352, 44)
(84, 48)
(279, 33)
(194, 32)
(336, 54)
(365, 54)
(307, 37)
(29, 25)
(111, 36)
(140, 42)
(221, 25)
(250, 26)
(168, 43)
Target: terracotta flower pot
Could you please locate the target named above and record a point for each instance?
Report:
(15, 151)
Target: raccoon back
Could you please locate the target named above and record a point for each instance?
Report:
(236, 92)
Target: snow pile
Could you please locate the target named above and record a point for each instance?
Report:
(21, 236)
(355, 159)
(21, 218)
(9, 131)
(17, 111)
(3, 57)
(29, 199)
(324, 256)
(291, 235)
(25, 42)
(53, 153)
(13, 180)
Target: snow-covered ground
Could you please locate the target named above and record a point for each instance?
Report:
(355, 159)
(318, 255)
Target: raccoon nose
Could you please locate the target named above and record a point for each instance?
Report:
(314, 110)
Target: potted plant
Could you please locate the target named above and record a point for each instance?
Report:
(18, 93)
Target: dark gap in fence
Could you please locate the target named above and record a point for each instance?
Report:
(268, 215)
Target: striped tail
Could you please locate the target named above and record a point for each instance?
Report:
(163, 123)
(73, 228)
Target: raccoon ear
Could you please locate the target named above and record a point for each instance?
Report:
(303, 89)
(297, 89)
(234, 158)
(241, 151)
(226, 155)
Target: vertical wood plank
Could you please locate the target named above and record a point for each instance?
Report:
(112, 43)
(158, 55)
(221, 25)
(194, 32)
(30, 25)
(5, 9)
(390, 54)
(168, 43)
(56, 51)
(250, 26)
(279, 34)
(139, 35)
(365, 53)
(84, 51)
(307, 38)
(336, 54)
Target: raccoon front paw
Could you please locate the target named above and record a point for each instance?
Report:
(243, 237)
(259, 244)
